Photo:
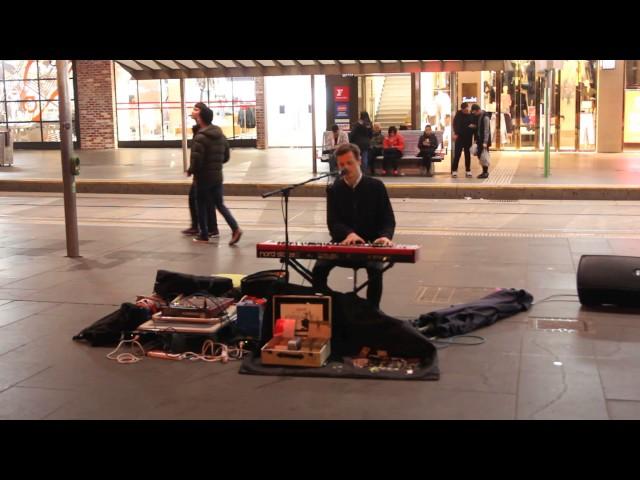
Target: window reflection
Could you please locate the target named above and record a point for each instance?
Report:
(29, 96)
(153, 106)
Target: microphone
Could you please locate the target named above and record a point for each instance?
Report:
(339, 173)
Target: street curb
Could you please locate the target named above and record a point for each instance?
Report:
(449, 191)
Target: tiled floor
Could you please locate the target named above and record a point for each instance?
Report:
(277, 165)
(558, 360)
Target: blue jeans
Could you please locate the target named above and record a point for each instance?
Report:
(364, 155)
(210, 197)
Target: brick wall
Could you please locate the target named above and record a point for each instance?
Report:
(261, 126)
(96, 104)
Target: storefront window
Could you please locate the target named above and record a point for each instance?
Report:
(29, 99)
(150, 109)
(632, 103)
(288, 110)
(435, 103)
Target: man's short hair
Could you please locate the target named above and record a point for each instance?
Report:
(463, 105)
(392, 129)
(206, 114)
(346, 148)
(475, 107)
(335, 128)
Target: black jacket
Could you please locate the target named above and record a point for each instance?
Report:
(361, 136)
(461, 127)
(209, 151)
(427, 150)
(365, 210)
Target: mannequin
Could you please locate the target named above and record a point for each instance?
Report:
(507, 125)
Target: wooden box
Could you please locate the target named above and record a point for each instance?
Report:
(312, 314)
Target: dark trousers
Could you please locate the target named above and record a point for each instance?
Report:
(209, 197)
(212, 221)
(322, 268)
(427, 155)
(373, 154)
(459, 147)
(391, 157)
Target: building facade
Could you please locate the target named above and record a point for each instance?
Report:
(594, 104)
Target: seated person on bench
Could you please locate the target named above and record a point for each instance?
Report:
(332, 140)
(427, 145)
(358, 211)
(393, 148)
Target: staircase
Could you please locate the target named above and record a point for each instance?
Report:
(394, 107)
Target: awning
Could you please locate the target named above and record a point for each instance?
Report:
(150, 69)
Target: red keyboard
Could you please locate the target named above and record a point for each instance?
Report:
(336, 251)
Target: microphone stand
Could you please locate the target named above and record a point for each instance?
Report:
(285, 192)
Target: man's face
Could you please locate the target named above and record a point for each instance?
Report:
(195, 113)
(466, 109)
(427, 130)
(476, 113)
(350, 164)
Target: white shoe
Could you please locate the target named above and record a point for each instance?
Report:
(468, 175)
(454, 174)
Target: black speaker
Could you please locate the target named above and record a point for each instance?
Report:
(609, 280)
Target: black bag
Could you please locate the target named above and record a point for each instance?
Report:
(108, 330)
(464, 318)
(171, 284)
(263, 284)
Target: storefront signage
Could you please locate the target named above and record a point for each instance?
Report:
(341, 94)
(342, 110)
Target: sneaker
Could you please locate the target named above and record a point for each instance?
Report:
(235, 238)
(429, 174)
(190, 231)
(395, 173)
(200, 240)
(454, 174)
(468, 175)
(484, 175)
(214, 235)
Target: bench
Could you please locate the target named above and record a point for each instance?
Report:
(410, 154)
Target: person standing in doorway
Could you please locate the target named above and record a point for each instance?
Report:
(483, 138)
(463, 137)
(209, 151)
(361, 136)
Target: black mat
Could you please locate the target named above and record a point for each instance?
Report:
(337, 369)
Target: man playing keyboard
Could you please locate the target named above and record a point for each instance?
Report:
(358, 211)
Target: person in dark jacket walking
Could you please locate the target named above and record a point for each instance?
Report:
(193, 208)
(209, 151)
(358, 211)
(463, 137)
(427, 145)
(361, 136)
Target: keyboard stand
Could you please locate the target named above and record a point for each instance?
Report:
(357, 288)
(298, 267)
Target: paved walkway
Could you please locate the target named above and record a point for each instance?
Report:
(278, 165)
(514, 175)
(557, 360)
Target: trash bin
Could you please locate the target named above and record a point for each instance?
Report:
(6, 148)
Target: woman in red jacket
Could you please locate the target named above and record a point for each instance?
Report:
(393, 148)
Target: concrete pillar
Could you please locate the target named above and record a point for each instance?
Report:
(261, 126)
(610, 108)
